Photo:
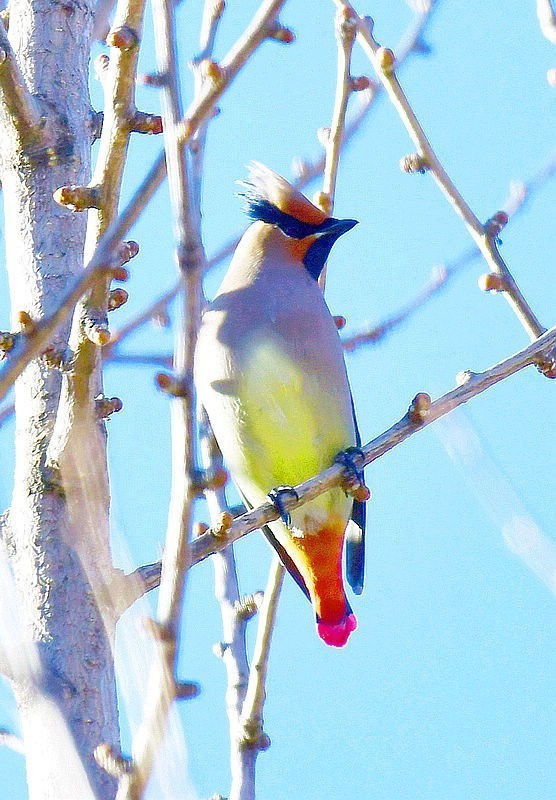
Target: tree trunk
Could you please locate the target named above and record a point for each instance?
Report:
(67, 699)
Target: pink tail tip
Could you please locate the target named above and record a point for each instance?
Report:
(338, 634)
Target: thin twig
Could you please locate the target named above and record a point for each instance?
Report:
(520, 193)
(254, 737)
(345, 27)
(162, 686)
(485, 236)
(29, 347)
(306, 170)
(12, 741)
(547, 19)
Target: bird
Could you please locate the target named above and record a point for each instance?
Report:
(270, 374)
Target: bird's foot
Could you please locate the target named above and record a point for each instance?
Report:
(276, 497)
(354, 480)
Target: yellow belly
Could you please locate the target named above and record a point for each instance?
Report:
(281, 424)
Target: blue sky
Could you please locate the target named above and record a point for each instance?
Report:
(447, 687)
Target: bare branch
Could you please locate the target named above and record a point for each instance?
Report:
(345, 26)
(485, 236)
(100, 262)
(306, 171)
(12, 741)
(547, 19)
(163, 683)
(254, 737)
(520, 193)
(18, 107)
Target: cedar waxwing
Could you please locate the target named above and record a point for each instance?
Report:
(270, 373)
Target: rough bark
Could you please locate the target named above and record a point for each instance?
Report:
(67, 698)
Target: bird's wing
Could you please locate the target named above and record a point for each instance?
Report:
(355, 534)
(282, 555)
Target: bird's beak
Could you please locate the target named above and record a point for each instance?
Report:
(337, 227)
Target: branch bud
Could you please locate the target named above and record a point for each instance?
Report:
(199, 528)
(27, 325)
(105, 406)
(386, 60)
(126, 251)
(78, 198)
(247, 607)
(146, 123)
(95, 328)
(156, 79)
(464, 377)
(7, 341)
(113, 761)
(496, 223)
(323, 201)
(360, 83)
(210, 70)
(119, 274)
(419, 408)
(186, 690)
(323, 135)
(124, 38)
(414, 163)
(102, 62)
(222, 524)
(116, 298)
(492, 282)
(280, 33)
(339, 322)
(171, 384)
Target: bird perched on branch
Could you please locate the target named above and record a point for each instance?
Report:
(271, 375)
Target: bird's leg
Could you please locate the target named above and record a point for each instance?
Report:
(276, 498)
(354, 480)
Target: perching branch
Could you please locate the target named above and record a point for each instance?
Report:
(415, 420)
(421, 413)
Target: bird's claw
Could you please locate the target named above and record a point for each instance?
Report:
(354, 480)
(276, 498)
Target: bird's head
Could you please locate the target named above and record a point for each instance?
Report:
(269, 198)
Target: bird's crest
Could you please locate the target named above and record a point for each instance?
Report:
(270, 198)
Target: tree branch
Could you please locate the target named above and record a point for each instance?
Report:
(485, 236)
(163, 682)
(520, 193)
(101, 261)
(18, 107)
(251, 722)
(305, 169)
(547, 19)
(421, 413)
(415, 420)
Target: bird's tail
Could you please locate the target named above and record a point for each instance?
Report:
(320, 564)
